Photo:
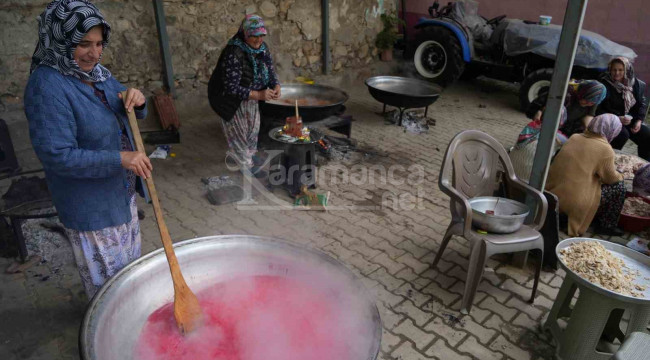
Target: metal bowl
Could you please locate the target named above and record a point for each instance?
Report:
(119, 310)
(508, 216)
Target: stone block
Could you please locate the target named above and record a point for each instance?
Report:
(420, 338)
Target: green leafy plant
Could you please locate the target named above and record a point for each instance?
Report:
(388, 35)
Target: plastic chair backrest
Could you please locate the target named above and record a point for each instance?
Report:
(478, 160)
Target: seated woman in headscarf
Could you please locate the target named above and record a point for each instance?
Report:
(581, 102)
(244, 75)
(583, 176)
(80, 132)
(523, 153)
(625, 97)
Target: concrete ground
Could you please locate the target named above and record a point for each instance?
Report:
(389, 247)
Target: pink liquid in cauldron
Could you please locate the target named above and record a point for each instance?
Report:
(255, 318)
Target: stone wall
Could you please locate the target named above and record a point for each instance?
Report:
(198, 30)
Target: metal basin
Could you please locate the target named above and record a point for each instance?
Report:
(403, 92)
(330, 101)
(118, 312)
(508, 216)
(634, 260)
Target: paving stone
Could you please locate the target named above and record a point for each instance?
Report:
(481, 332)
(459, 288)
(388, 341)
(361, 247)
(438, 326)
(341, 252)
(407, 291)
(493, 305)
(416, 281)
(389, 249)
(406, 352)
(503, 345)
(420, 338)
(479, 315)
(441, 294)
(418, 315)
(391, 265)
(443, 280)
(519, 290)
(470, 345)
(518, 274)
(543, 301)
(512, 333)
(525, 321)
(386, 296)
(415, 250)
(550, 292)
(390, 282)
(389, 318)
(441, 351)
(527, 308)
(487, 287)
(458, 272)
(442, 266)
(413, 263)
(556, 282)
(365, 266)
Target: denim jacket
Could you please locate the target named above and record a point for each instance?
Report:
(77, 139)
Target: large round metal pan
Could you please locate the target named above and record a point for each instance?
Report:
(403, 92)
(328, 102)
(119, 310)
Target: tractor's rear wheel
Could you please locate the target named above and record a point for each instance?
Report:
(533, 84)
(438, 56)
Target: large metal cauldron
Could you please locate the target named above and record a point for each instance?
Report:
(403, 93)
(330, 98)
(118, 312)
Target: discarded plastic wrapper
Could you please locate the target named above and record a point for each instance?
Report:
(161, 152)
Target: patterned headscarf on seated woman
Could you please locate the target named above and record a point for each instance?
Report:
(61, 27)
(624, 87)
(591, 90)
(606, 125)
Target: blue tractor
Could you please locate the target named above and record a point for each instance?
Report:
(455, 41)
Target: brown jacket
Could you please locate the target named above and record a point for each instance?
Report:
(585, 162)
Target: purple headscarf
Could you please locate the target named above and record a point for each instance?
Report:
(606, 125)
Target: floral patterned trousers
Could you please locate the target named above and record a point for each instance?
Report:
(612, 198)
(242, 131)
(100, 254)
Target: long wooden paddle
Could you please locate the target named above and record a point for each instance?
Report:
(186, 306)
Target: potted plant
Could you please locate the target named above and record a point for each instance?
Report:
(388, 35)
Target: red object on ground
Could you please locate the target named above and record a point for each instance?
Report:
(262, 317)
(633, 223)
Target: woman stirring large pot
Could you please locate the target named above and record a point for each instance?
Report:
(79, 129)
